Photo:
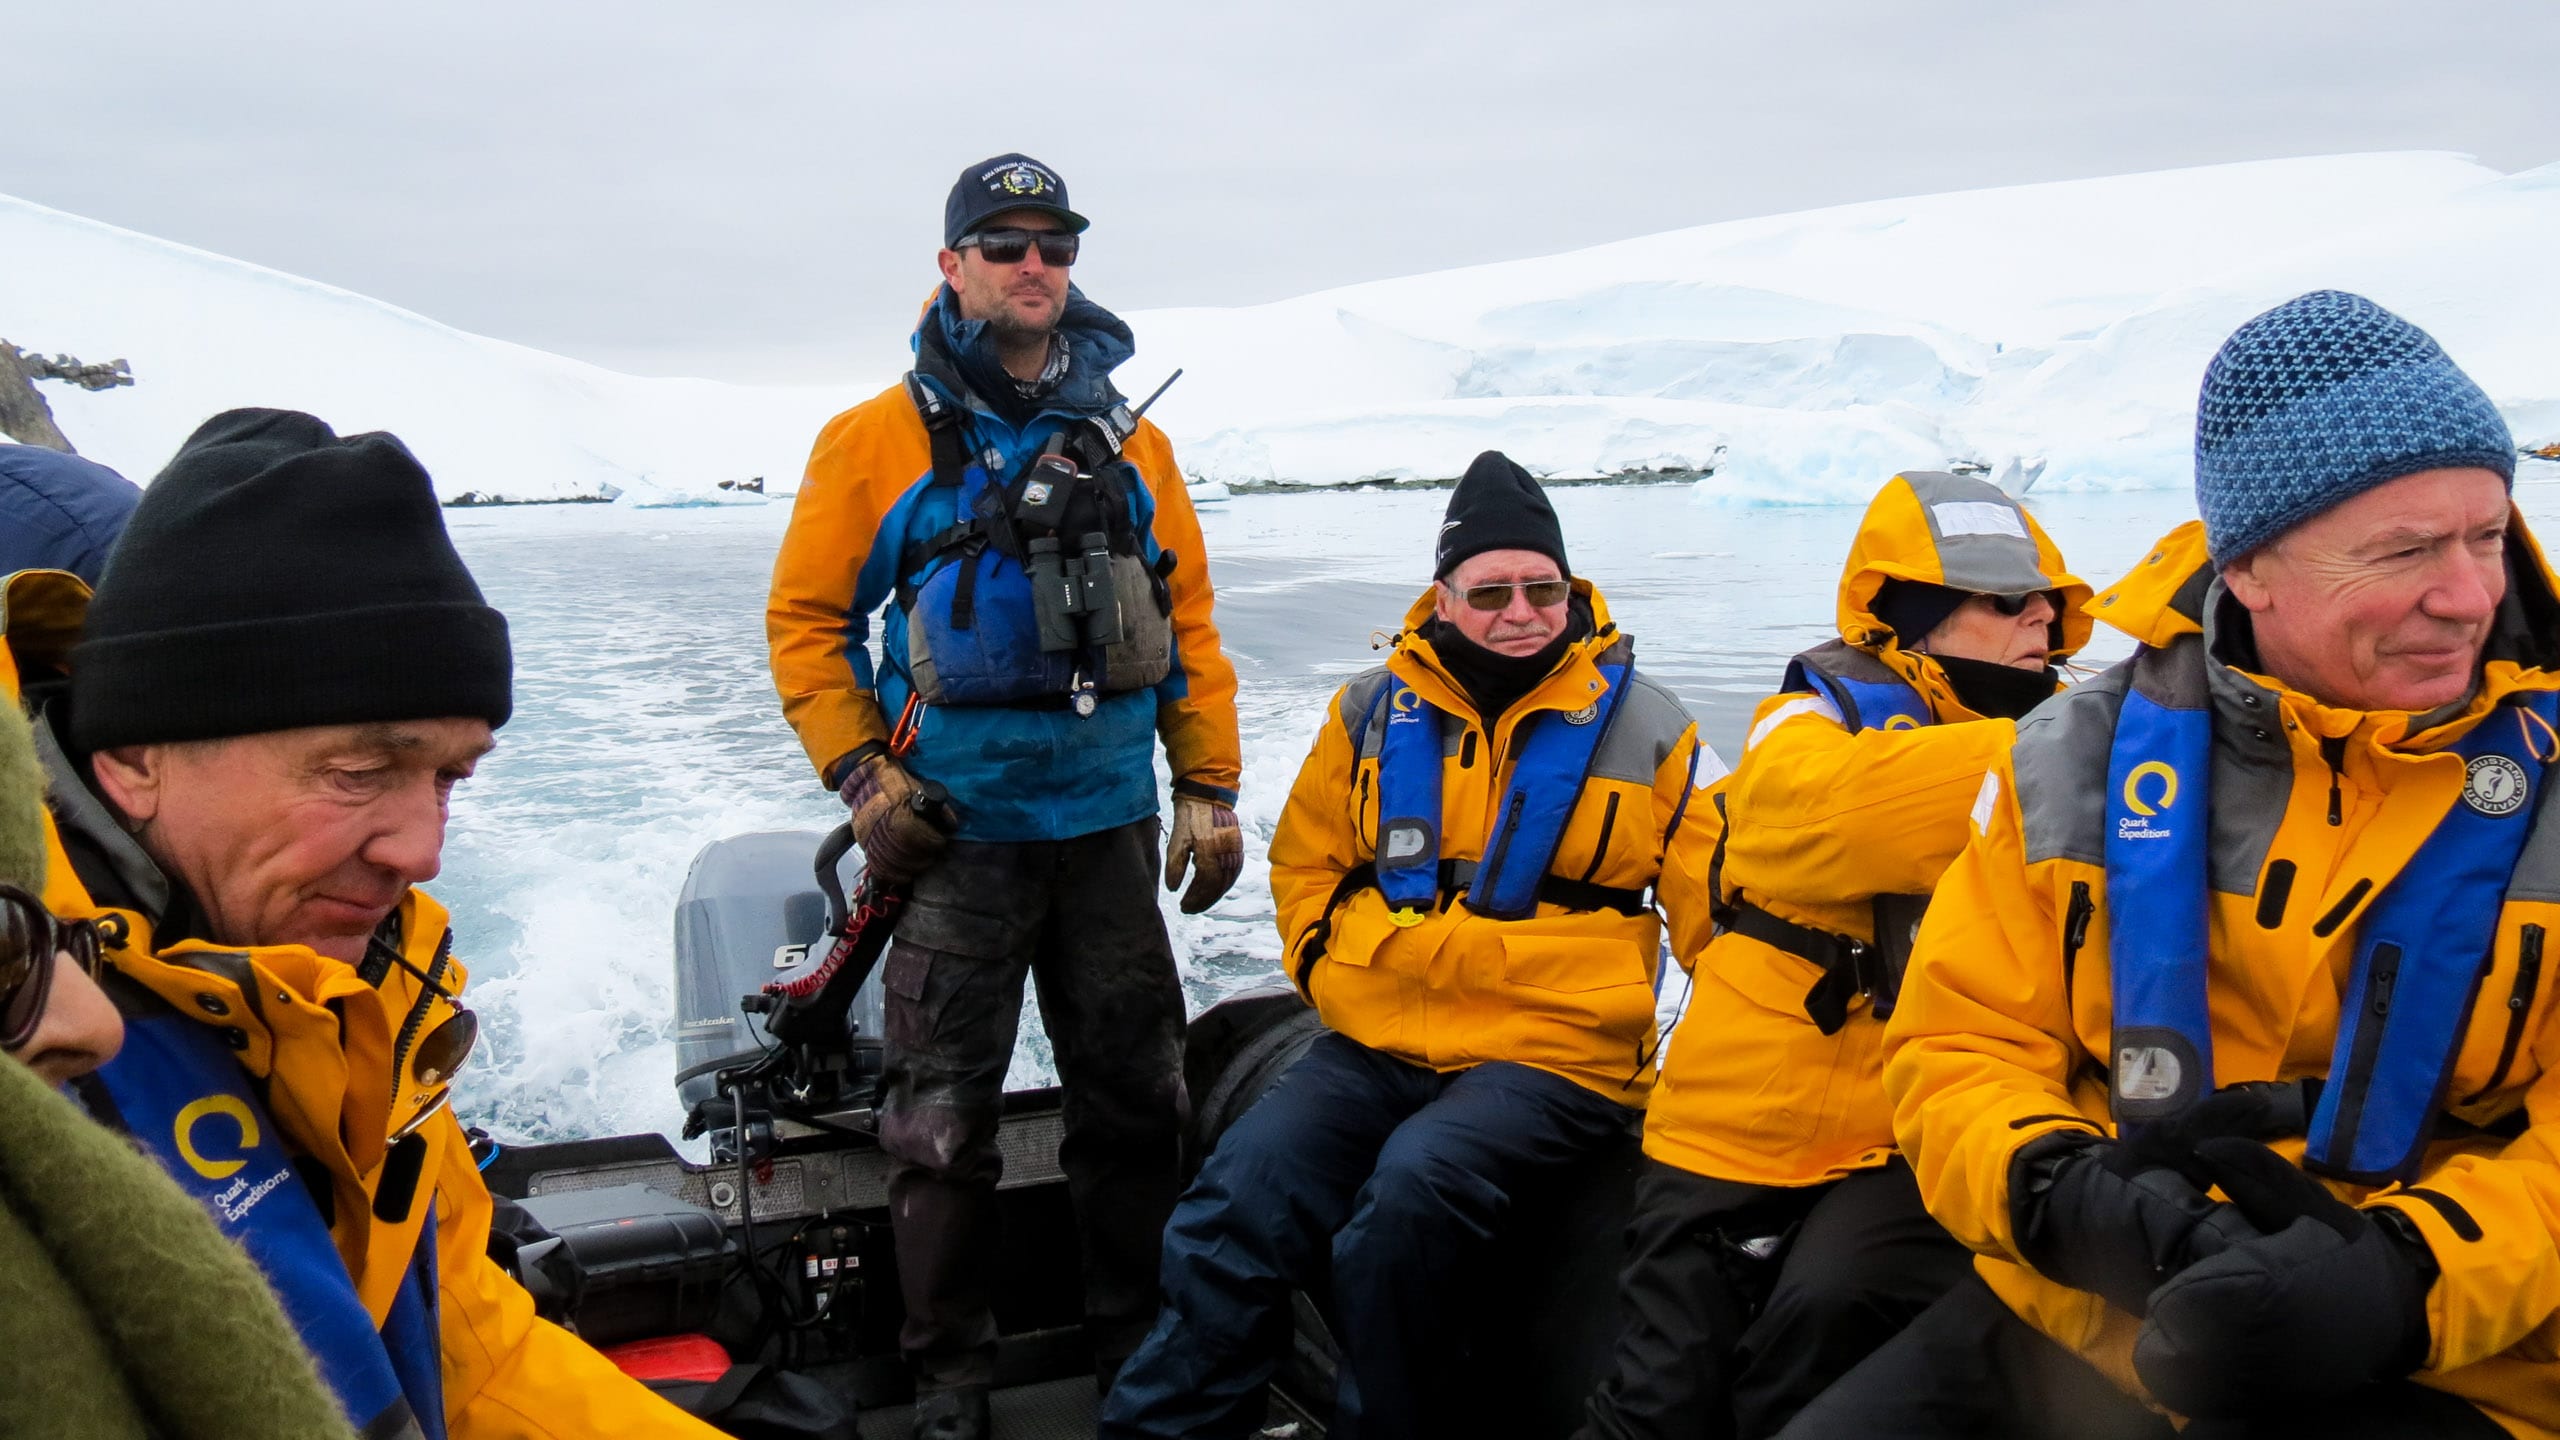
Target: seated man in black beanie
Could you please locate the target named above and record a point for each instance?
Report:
(251, 735)
(1461, 875)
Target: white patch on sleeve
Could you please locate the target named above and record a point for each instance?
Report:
(1977, 517)
(1711, 766)
(1984, 803)
(1801, 705)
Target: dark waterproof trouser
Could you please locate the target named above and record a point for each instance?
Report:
(1379, 1179)
(1079, 917)
(1970, 1367)
(1691, 1360)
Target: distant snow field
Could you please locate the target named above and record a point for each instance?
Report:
(2052, 334)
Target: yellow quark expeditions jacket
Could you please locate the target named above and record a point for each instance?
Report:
(2003, 1033)
(1567, 991)
(317, 1040)
(1819, 821)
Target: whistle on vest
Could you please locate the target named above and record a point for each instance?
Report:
(1405, 918)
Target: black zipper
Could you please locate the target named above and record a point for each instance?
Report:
(2075, 929)
(417, 1018)
(1361, 819)
(1600, 850)
(2519, 1002)
(1502, 838)
(2368, 1047)
(2334, 750)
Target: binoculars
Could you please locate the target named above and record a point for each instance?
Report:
(1072, 595)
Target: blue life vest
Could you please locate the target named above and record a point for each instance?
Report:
(180, 1092)
(2419, 949)
(1546, 780)
(973, 628)
(1868, 695)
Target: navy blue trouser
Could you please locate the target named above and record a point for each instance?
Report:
(1359, 1173)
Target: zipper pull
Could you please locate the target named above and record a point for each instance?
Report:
(2334, 750)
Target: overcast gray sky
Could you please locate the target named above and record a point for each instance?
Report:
(755, 186)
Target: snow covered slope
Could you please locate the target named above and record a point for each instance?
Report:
(207, 333)
(1802, 357)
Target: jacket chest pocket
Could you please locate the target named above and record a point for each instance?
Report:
(2507, 1017)
(1604, 842)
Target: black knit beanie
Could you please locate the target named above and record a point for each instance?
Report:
(277, 576)
(1497, 506)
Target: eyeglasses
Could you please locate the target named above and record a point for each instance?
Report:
(1542, 594)
(2015, 605)
(437, 1057)
(29, 936)
(1007, 247)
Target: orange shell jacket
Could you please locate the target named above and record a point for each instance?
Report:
(1819, 821)
(1569, 992)
(2004, 1027)
(319, 1039)
(865, 462)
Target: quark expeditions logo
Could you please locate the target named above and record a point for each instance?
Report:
(240, 1197)
(2495, 785)
(1020, 180)
(2137, 826)
(1901, 722)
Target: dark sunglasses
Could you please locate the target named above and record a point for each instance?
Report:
(1541, 593)
(441, 1053)
(1007, 247)
(2015, 605)
(29, 937)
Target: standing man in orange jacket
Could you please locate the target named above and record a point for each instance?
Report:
(1047, 618)
(1771, 1183)
(251, 735)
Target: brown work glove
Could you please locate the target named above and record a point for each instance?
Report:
(902, 827)
(1206, 839)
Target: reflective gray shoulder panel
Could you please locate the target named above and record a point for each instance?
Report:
(2064, 746)
(79, 812)
(1983, 542)
(2537, 874)
(1363, 696)
(1648, 727)
(2060, 762)
(1360, 699)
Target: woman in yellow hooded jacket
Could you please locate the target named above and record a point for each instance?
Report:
(1769, 1120)
(2226, 1046)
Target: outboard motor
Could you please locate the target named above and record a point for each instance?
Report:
(752, 910)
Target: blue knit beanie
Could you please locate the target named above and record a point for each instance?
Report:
(2321, 399)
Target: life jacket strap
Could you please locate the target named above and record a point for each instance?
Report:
(1851, 968)
(1457, 875)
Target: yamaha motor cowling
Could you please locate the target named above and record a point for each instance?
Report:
(751, 910)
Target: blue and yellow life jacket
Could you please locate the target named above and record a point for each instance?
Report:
(1547, 777)
(1869, 696)
(180, 1093)
(2419, 952)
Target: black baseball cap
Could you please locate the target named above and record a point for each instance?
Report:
(1007, 182)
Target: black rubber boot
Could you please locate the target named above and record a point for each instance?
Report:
(956, 1414)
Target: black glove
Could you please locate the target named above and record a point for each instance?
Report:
(2089, 1215)
(2330, 1300)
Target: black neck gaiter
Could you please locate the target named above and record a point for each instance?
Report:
(1998, 692)
(1495, 682)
